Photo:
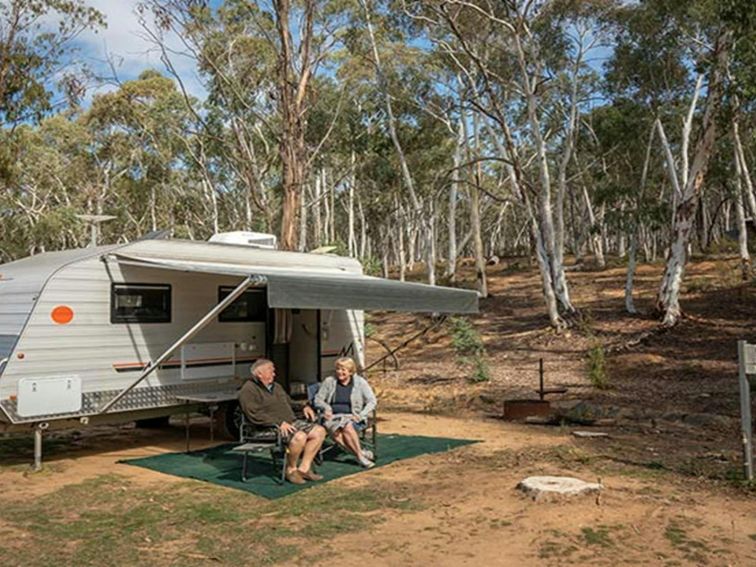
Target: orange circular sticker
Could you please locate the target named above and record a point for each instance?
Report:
(62, 314)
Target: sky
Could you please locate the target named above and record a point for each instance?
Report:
(125, 43)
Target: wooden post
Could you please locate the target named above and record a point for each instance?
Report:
(747, 365)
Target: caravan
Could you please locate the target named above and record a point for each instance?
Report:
(135, 331)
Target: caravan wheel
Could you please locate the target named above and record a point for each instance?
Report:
(229, 415)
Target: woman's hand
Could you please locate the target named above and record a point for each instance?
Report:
(328, 414)
(356, 418)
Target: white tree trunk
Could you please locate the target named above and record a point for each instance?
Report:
(544, 266)
(431, 251)
(451, 265)
(746, 174)
(631, 254)
(412, 241)
(408, 181)
(687, 128)
(351, 238)
(597, 245)
(475, 222)
(326, 207)
(332, 196)
(363, 229)
(400, 225)
(318, 219)
(668, 299)
(745, 258)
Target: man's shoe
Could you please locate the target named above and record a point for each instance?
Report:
(310, 475)
(368, 454)
(295, 477)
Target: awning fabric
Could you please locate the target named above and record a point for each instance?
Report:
(306, 289)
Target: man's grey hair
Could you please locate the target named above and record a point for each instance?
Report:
(259, 363)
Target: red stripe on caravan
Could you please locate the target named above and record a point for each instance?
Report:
(249, 358)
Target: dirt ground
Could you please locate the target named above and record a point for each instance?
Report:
(669, 467)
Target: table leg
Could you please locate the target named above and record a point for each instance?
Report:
(212, 408)
(186, 424)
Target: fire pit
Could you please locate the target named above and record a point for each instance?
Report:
(520, 409)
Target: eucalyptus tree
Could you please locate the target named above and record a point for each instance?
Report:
(38, 207)
(154, 134)
(702, 36)
(524, 64)
(286, 45)
(36, 41)
(625, 175)
(35, 38)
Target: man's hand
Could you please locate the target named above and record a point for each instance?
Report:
(287, 428)
(309, 413)
(328, 414)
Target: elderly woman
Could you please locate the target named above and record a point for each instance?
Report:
(346, 401)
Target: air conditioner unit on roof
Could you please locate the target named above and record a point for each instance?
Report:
(253, 239)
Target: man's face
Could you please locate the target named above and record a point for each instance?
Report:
(266, 374)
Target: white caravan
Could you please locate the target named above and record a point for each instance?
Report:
(136, 331)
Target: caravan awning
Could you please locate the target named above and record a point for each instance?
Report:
(309, 289)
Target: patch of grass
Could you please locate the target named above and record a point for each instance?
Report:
(551, 548)
(109, 521)
(736, 477)
(599, 536)
(693, 549)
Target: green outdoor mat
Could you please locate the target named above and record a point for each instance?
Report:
(219, 465)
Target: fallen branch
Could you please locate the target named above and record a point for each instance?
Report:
(392, 352)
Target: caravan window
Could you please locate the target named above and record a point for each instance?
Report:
(249, 307)
(140, 303)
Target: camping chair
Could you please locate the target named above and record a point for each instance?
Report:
(368, 434)
(256, 439)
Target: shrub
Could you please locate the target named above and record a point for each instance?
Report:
(369, 330)
(471, 352)
(372, 266)
(597, 367)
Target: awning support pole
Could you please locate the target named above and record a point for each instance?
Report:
(198, 326)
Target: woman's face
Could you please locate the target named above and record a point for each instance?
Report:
(343, 374)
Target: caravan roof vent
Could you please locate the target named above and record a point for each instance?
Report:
(254, 239)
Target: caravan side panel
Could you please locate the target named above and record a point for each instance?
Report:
(107, 356)
(20, 285)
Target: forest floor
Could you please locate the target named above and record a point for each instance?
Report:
(670, 465)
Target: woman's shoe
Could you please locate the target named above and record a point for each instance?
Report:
(365, 463)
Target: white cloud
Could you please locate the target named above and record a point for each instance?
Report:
(125, 45)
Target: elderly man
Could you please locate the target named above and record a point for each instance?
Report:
(265, 403)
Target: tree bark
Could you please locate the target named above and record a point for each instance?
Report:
(480, 261)
(451, 265)
(745, 258)
(292, 86)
